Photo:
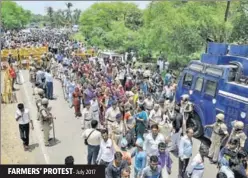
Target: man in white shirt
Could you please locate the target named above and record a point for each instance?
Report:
(23, 118)
(149, 103)
(155, 116)
(86, 117)
(121, 76)
(106, 152)
(92, 140)
(94, 108)
(151, 142)
(49, 85)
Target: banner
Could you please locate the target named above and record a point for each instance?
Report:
(47, 171)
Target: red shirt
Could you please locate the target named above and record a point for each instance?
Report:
(12, 73)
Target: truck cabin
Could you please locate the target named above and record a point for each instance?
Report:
(223, 69)
(235, 57)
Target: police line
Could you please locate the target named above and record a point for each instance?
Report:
(90, 171)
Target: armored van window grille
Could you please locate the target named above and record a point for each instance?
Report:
(196, 67)
(188, 78)
(199, 84)
(211, 87)
(231, 76)
(214, 71)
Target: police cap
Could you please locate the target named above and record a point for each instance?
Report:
(40, 91)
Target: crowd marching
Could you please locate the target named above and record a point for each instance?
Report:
(127, 112)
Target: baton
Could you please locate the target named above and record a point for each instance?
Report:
(54, 131)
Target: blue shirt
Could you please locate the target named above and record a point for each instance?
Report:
(140, 160)
(167, 79)
(39, 75)
(60, 57)
(149, 173)
(142, 115)
(49, 77)
(144, 87)
(185, 147)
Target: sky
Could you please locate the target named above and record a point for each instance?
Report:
(39, 7)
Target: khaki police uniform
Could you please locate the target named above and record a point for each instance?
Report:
(186, 109)
(218, 133)
(46, 119)
(110, 117)
(239, 134)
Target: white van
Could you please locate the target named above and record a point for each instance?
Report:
(110, 55)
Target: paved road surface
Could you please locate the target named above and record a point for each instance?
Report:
(68, 133)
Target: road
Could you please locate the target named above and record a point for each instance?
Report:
(68, 133)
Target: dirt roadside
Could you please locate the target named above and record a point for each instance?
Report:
(12, 151)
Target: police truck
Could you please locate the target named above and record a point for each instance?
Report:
(217, 83)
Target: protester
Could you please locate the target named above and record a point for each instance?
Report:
(22, 116)
(69, 161)
(115, 168)
(185, 151)
(92, 140)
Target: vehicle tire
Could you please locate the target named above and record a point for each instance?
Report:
(194, 122)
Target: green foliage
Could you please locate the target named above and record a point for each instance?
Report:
(178, 30)
(14, 16)
(112, 25)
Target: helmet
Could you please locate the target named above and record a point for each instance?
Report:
(239, 125)
(220, 116)
(40, 91)
(185, 97)
(44, 101)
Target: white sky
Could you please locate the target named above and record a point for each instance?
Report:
(39, 7)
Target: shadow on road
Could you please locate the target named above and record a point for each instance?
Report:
(32, 147)
(53, 142)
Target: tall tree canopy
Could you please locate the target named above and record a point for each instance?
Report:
(14, 16)
(178, 29)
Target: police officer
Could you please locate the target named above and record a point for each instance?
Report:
(46, 119)
(186, 109)
(32, 77)
(110, 116)
(38, 99)
(238, 133)
(219, 134)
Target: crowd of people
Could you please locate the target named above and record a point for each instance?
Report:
(128, 112)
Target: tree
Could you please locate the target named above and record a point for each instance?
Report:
(14, 16)
(50, 13)
(111, 25)
(68, 15)
(76, 16)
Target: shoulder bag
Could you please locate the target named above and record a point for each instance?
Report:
(86, 140)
